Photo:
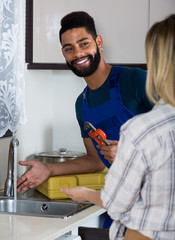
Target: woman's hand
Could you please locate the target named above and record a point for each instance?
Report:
(76, 194)
(82, 194)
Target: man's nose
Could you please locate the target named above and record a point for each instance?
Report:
(78, 52)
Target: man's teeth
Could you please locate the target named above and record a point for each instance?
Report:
(82, 61)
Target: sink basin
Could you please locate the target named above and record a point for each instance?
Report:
(42, 208)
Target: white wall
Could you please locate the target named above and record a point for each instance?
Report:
(66, 132)
(51, 122)
(37, 134)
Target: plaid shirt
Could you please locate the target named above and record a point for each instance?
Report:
(139, 190)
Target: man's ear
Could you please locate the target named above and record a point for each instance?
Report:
(99, 41)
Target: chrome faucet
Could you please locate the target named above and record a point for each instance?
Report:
(9, 183)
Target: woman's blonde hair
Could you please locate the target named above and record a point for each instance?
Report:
(160, 55)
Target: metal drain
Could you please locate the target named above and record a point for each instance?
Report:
(44, 207)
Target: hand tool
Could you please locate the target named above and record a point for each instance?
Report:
(97, 134)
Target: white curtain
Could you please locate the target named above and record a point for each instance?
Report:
(12, 106)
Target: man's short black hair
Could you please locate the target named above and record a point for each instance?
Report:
(77, 20)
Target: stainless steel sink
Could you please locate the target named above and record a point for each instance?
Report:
(42, 208)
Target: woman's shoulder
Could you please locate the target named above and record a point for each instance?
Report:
(155, 119)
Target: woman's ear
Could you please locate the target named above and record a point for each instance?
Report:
(99, 41)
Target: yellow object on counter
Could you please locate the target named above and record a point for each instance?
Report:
(93, 180)
(51, 188)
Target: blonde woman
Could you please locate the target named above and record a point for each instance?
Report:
(139, 191)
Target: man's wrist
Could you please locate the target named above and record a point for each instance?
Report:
(50, 168)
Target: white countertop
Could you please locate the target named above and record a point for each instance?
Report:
(15, 227)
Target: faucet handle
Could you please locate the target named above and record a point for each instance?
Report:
(15, 141)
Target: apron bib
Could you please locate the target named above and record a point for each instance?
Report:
(108, 116)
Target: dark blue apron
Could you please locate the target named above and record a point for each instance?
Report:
(108, 116)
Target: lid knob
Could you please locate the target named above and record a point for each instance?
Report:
(62, 151)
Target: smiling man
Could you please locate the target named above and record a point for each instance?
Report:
(112, 96)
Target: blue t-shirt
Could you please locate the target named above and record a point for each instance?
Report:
(132, 89)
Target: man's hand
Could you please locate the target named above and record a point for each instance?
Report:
(38, 173)
(109, 152)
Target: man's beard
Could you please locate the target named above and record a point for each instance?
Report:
(87, 70)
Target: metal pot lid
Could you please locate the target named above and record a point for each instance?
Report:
(61, 153)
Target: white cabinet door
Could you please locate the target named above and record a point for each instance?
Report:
(126, 23)
(160, 9)
(122, 24)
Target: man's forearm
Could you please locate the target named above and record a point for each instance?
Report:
(83, 164)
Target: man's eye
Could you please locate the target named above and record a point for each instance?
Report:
(67, 49)
(85, 44)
